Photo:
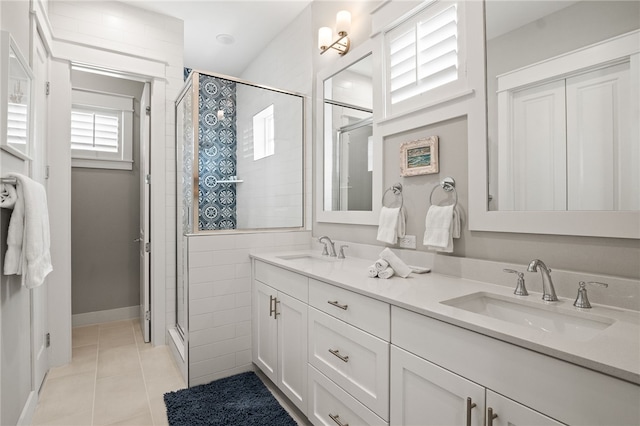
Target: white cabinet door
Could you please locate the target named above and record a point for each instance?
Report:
(292, 349)
(424, 394)
(265, 329)
(502, 411)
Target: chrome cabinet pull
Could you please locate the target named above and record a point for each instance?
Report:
(336, 419)
(337, 305)
(271, 305)
(470, 405)
(275, 308)
(336, 352)
(490, 416)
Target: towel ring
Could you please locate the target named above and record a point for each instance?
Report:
(397, 190)
(448, 184)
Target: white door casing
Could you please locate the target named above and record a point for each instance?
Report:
(145, 255)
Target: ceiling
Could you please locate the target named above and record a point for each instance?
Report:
(251, 23)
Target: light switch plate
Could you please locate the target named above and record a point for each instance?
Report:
(408, 241)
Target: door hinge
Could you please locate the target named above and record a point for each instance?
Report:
(147, 179)
(48, 339)
(148, 109)
(47, 88)
(147, 247)
(147, 315)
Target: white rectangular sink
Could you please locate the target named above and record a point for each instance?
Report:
(547, 318)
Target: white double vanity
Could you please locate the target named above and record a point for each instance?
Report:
(437, 349)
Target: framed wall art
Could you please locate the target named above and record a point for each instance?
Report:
(419, 157)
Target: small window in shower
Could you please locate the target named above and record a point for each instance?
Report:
(263, 134)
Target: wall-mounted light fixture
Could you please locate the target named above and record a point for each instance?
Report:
(342, 43)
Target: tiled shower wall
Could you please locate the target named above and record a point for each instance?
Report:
(220, 299)
(217, 143)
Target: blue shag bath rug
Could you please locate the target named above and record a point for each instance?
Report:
(237, 400)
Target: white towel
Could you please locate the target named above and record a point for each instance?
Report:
(8, 196)
(442, 224)
(381, 265)
(28, 239)
(400, 268)
(373, 271)
(391, 224)
(386, 273)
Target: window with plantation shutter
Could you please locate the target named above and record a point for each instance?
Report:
(101, 130)
(94, 131)
(424, 53)
(17, 119)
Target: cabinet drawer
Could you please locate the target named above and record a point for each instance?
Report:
(295, 285)
(564, 391)
(366, 313)
(355, 360)
(327, 399)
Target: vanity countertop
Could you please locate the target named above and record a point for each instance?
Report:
(614, 351)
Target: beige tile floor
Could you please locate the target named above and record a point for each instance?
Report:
(114, 379)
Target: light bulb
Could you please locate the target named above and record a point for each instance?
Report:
(324, 37)
(343, 22)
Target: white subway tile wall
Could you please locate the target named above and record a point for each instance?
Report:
(220, 299)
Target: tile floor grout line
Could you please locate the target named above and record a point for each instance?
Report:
(144, 377)
(95, 379)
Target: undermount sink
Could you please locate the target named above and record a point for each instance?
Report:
(547, 318)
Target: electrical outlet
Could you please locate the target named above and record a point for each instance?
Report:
(408, 241)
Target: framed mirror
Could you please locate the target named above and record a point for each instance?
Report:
(562, 141)
(15, 89)
(347, 152)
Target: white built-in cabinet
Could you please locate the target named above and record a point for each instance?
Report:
(280, 330)
(345, 358)
(425, 394)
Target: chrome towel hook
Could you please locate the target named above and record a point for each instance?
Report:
(448, 184)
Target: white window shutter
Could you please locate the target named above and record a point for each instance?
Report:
(425, 55)
(17, 124)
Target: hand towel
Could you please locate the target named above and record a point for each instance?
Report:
(29, 238)
(391, 224)
(381, 265)
(373, 271)
(8, 196)
(387, 273)
(400, 268)
(442, 224)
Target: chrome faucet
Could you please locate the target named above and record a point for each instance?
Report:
(330, 244)
(548, 292)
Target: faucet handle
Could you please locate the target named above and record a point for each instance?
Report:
(520, 290)
(582, 301)
(325, 252)
(341, 253)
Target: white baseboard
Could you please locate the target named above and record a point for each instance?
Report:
(119, 314)
(29, 409)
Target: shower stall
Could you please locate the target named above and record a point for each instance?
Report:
(240, 165)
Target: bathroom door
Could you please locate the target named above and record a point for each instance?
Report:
(145, 309)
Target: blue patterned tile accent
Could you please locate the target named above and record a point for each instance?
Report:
(217, 143)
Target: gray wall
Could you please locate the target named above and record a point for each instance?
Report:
(105, 217)
(618, 257)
